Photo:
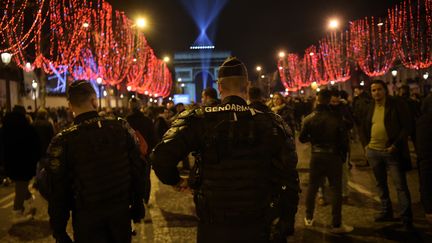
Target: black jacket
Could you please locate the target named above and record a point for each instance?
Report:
(93, 166)
(45, 131)
(260, 106)
(326, 130)
(21, 147)
(246, 155)
(398, 127)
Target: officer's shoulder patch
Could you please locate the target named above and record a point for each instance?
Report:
(68, 130)
(197, 112)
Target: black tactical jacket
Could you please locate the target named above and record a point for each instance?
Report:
(93, 166)
(325, 130)
(247, 158)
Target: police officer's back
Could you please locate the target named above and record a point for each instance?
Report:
(94, 170)
(244, 158)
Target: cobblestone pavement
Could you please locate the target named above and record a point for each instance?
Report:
(170, 215)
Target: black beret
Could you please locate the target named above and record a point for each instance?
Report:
(232, 67)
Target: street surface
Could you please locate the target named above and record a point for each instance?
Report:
(170, 215)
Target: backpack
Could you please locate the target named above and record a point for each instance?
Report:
(143, 146)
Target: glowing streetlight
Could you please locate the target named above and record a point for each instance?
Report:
(311, 54)
(129, 88)
(28, 66)
(318, 89)
(332, 82)
(85, 25)
(380, 24)
(141, 23)
(262, 76)
(6, 58)
(281, 54)
(34, 86)
(426, 76)
(179, 79)
(133, 96)
(121, 96)
(105, 93)
(166, 59)
(169, 98)
(99, 80)
(362, 83)
(259, 68)
(333, 24)
(134, 60)
(394, 73)
(182, 85)
(280, 68)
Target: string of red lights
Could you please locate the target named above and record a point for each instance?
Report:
(87, 37)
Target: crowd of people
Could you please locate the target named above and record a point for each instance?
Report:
(98, 165)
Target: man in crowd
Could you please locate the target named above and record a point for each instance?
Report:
(246, 176)
(93, 169)
(324, 129)
(386, 130)
(256, 99)
(209, 97)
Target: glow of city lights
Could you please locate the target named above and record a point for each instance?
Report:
(302, 91)
(332, 82)
(133, 96)
(99, 80)
(333, 24)
(179, 79)
(262, 76)
(155, 95)
(314, 85)
(134, 59)
(85, 25)
(6, 57)
(166, 59)
(146, 92)
(141, 22)
(169, 98)
(129, 88)
(318, 89)
(34, 84)
(121, 96)
(182, 85)
(311, 54)
(426, 75)
(202, 47)
(28, 65)
(286, 90)
(151, 99)
(259, 68)
(271, 95)
(394, 73)
(155, 101)
(281, 54)
(105, 93)
(362, 83)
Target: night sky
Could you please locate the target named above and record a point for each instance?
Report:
(253, 30)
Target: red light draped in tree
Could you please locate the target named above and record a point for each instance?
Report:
(372, 46)
(114, 51)
(315, 66)
(411, 26)
(335, 56)
(66, 32)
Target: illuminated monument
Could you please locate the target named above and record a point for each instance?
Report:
(197, 68)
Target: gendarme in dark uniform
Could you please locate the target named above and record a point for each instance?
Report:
(246, 175)
(94, 170)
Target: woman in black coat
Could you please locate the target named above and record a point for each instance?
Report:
(21, 154)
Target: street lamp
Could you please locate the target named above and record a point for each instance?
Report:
(166, 59)
(425, 75)
(259, 68)
(281, 54)
(6, 59)
(141, 23)
(394, 73)
(34, 86)
(333, 24)
(99, 82)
